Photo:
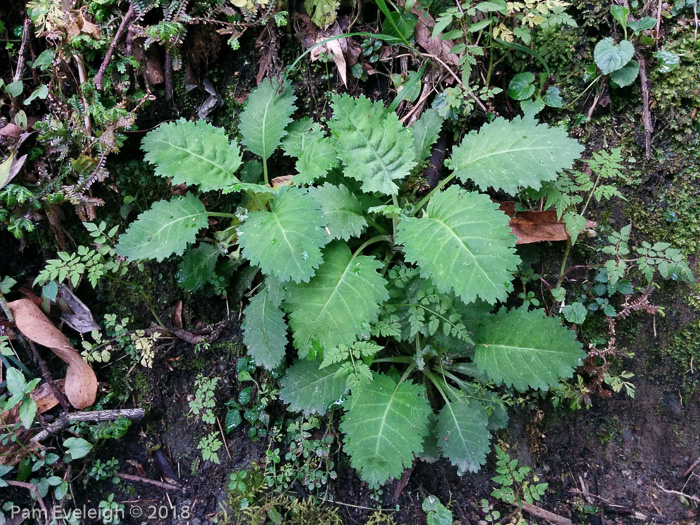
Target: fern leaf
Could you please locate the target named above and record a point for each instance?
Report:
(193, 153)
(339, 303)
(526, 349)
(268, 112)
(264, 327)
(425, 132)
(463, 244)
(509, 155)
(315, 161)
(384, 427)
(285, 241)
(167, 228)
(341, 210)
(374, 146)
(462, 435)
(312, 390)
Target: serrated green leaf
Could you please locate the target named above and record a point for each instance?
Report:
(193, 153)
(526, 349)
(264, 327)
(310, 389)
(384, 428)
(576, 312)
(339, 304)
(286, 241)
(464, 245)
(315, 161)
(341, 210)
(425, 132)
(264, 120)
(512, 154)
(197, 266)
(462, 435)
(167, 228)
(300, 133)
(374, 146)
(610, 57)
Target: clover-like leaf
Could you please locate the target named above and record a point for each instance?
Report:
(285, 241)
(462, 434)
(167, 228)
(526, 349)
(610, 57)
(522, 86)
(374, 146)
(509, 155)
(341, 210)
(264, 120)
(311, 389)
(264, 327)
(338, 304)
(193, 153)
(384, 427)
(463, 244)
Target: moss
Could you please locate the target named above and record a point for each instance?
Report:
(683, 350)
(142, 388)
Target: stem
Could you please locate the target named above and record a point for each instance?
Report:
(265, 172)
(397, 359)
(563, 263)
(407, 373)
(425, 199)
(377, 226)
(596, 79)
(437, 382)
(221, 214)
(395, 201)
(364, 245)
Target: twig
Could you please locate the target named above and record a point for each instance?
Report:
(82, 75)
(539, 512)
(658, 18)
(33, 489)
(134, 414)
(646, 113)
(691, 467)
(122, 27)
(677, 493)
(47, 377)
(139, 479)
(459, 81)
(22, 59)
(223, 438)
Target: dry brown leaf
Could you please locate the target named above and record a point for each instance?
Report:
(42, 395)
(335, 47)
(423, 34)
(282, 180)
(74, 312)
(536, 226)
(81, 382)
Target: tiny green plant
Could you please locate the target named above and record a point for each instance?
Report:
(515, 484)
(390, 300)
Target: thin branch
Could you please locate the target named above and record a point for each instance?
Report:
(133, 414)
(22, 59)
(539, 512)
(122, 27)
(147, 481)
(33, 489)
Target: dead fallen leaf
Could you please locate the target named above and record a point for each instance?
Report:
(76, 315)
(42, 395)
(337, 48)
(282, 180)
(11, 130)
(536, 226)
(423, 34)
(176, 316)
(81, 382)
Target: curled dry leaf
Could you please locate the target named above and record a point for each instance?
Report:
(74, 312)
(536, 226)
(81, 382)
